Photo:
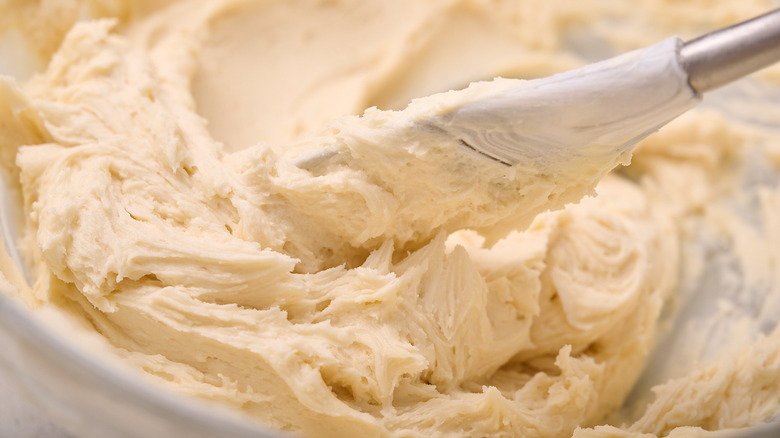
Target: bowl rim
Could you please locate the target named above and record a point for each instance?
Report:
(17, 321)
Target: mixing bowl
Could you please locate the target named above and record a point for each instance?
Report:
(91, 395)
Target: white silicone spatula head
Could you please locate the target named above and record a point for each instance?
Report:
(607, 107)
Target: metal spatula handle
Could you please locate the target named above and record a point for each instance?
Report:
(720, 57)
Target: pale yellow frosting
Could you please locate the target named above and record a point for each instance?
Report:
(230, 194)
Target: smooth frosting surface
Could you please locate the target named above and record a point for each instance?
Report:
(232, 195)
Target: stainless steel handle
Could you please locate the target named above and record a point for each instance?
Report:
(720, 57)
